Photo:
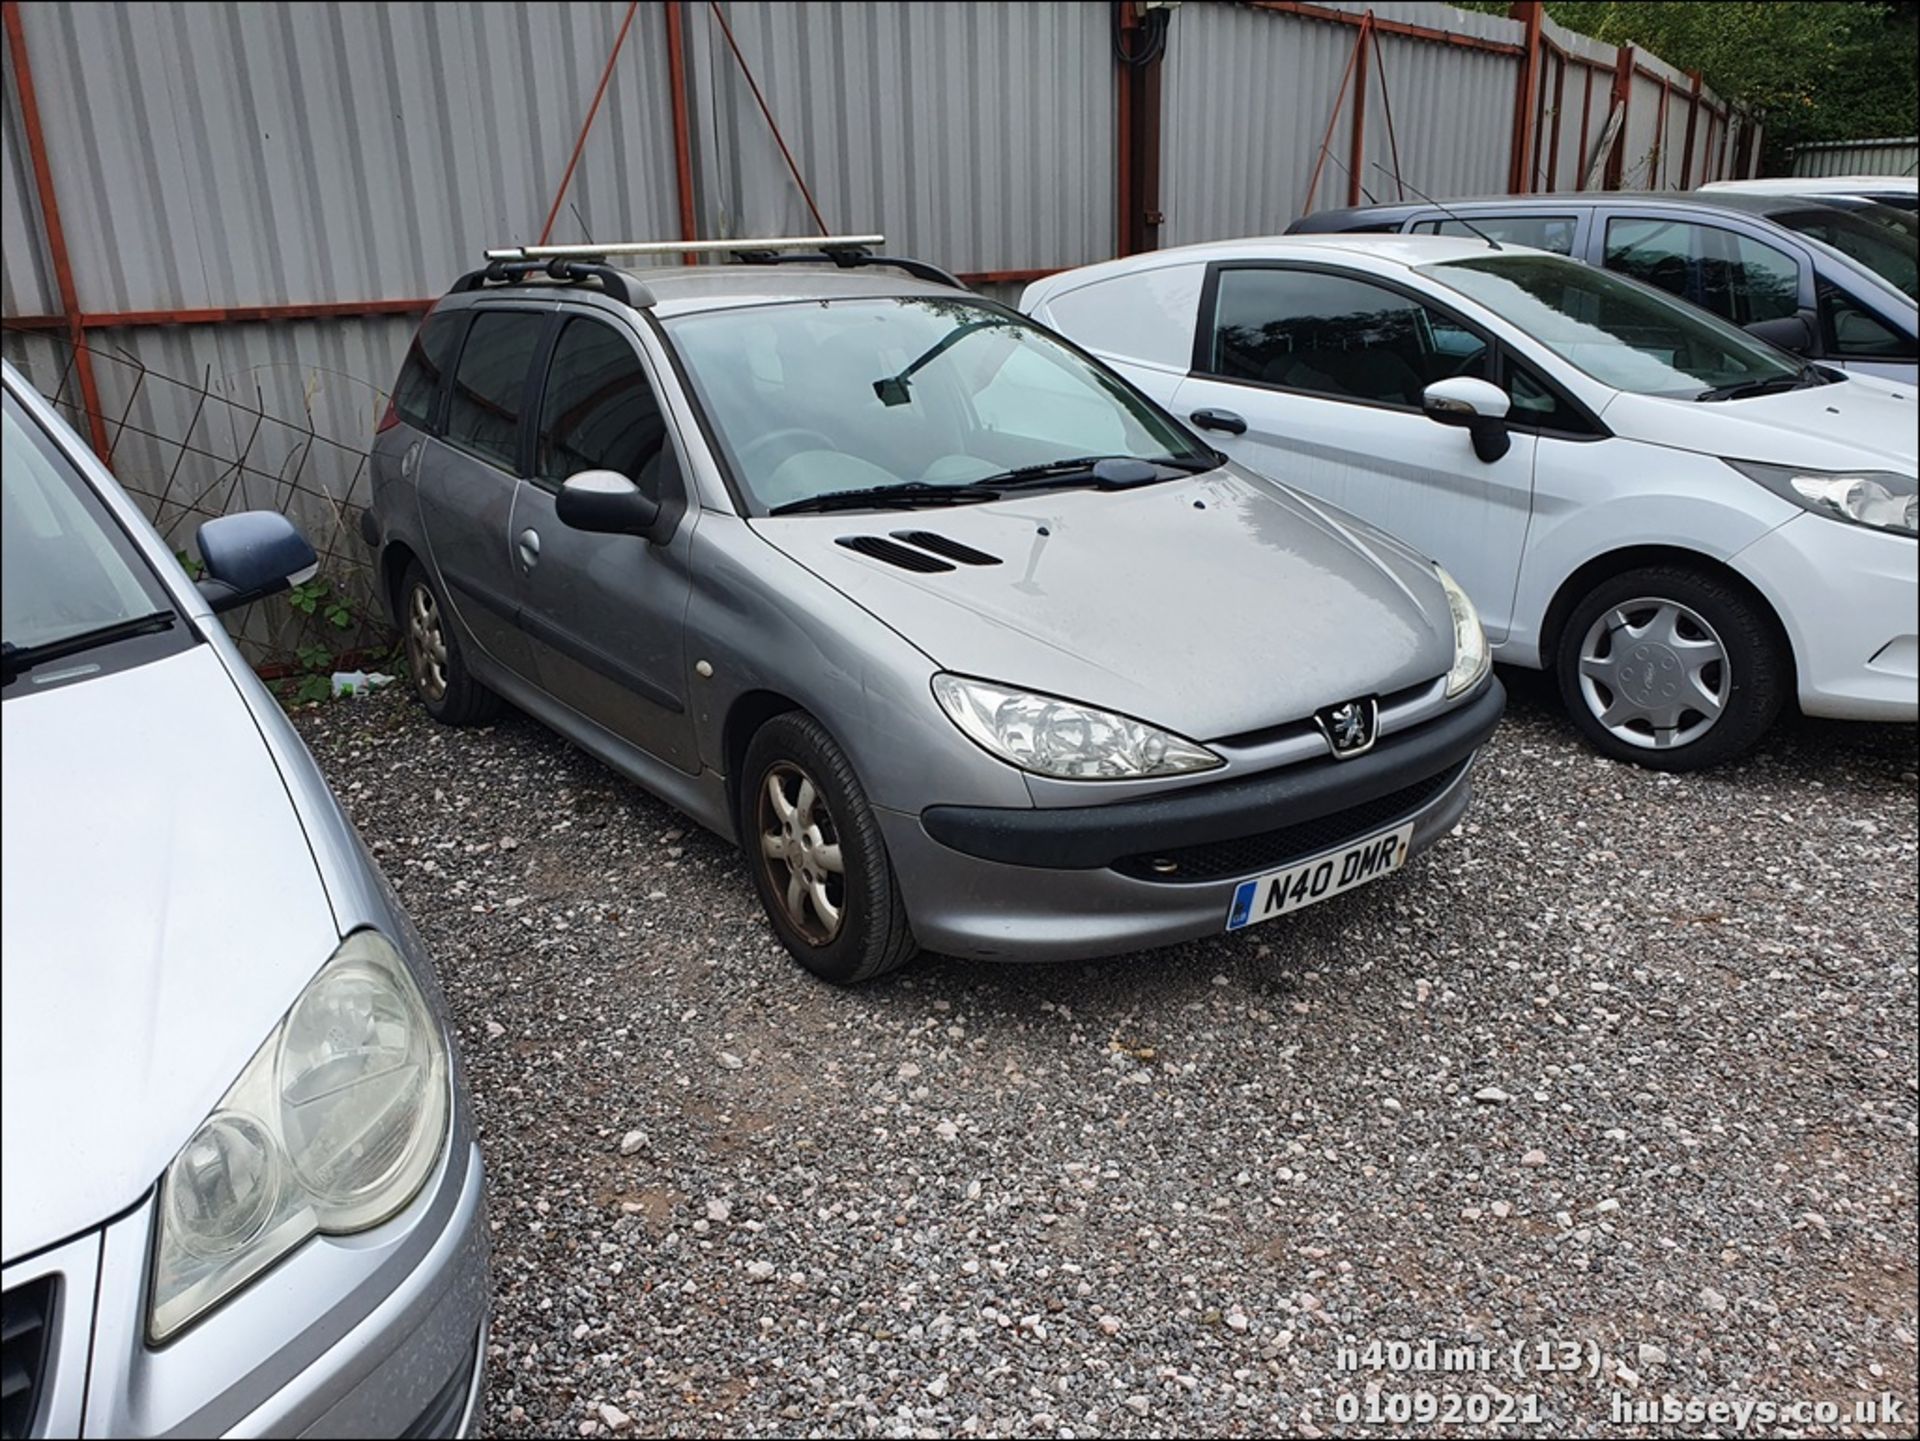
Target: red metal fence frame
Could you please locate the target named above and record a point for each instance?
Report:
(1137, 150)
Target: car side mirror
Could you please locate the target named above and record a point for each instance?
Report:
(1476, 406)
(1791, 333)
(606, 502)
(250, 555)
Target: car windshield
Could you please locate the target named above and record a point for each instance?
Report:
(1622, 333)
(825, 397)
(1878, 236)
(65, 567)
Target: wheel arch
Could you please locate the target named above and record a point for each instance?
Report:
(395, 557)
(1610, 563)
(749, 711)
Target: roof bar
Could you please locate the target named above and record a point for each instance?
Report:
(680, 247)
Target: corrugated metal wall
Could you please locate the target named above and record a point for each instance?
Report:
(216, 155)
(1246, 100)
(1859, 157)
(980, 135)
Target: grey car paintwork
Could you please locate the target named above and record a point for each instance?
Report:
(176, 871)
(1306, 608)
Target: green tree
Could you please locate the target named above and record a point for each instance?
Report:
(1813, 69)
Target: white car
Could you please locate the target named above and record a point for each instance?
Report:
(1688, 526)
(1902, 192)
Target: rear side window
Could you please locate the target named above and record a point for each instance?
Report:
(600, 412)
(1335, 336)
(1542, 232)
(1737, 278)
(1144, 316)
(490, 385)
(417, 390)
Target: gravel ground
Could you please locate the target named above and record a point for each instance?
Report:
(1629, 1063)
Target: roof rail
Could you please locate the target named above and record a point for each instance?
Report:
(849, 252)
(591, 251)
(618, 285)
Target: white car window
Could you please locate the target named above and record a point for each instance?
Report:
(1337, 336)
(1146, 316)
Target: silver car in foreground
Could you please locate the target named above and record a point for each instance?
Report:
(241, 1190)
(969, 644)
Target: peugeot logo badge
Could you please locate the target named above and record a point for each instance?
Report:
(1350, 726)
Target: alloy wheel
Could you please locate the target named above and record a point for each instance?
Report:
(426, 643)
(801, 852)
(1654, 673)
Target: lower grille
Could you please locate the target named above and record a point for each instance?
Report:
(1269, 850)
(26, 1343)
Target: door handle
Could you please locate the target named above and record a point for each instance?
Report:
(1210, 419)
(529, 548)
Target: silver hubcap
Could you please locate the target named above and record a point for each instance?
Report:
(801, 852)
(1654, 673)
(426, 644)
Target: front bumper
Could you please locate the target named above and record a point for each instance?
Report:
(1054, 884)
(377, 1334)
(1847, 596)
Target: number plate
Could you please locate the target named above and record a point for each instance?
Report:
(1298, 886)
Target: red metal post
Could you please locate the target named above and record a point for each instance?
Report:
(682, 128)
(1553, 134)
(1357, 135)
(1657, 164)
(1622, 97)
(1693, 118)
(1386, 106)
(580, 143)
(1520, 162)
(56, 233)
(1123, 144)
(1333, 119)
(1586, 116)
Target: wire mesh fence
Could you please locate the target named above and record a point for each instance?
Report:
(191, 447)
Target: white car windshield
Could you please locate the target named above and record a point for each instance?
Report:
(1621, 333)
(820, 398)
(67, 569)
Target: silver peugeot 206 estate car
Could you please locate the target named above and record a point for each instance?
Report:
(969, 644)
(241, 1191)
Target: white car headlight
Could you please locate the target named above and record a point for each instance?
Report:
(1471, 657)
(332, 1127)
(1054, 737)
(1877, 498)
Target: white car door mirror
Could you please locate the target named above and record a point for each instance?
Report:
(1477, 406)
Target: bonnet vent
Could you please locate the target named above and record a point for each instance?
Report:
(951, 549)
(902, 556)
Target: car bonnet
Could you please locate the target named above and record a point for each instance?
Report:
(1211, 606)
(1861, 422)
(163, 910)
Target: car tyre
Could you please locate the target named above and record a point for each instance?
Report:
(816, 854)
(440, 676)
(1644, 660)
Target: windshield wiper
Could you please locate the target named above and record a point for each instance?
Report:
(18, 659)
(906, 494)
(1106, 472)
(1741, 390)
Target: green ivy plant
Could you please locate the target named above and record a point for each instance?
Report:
(194, 568)
(316, 597)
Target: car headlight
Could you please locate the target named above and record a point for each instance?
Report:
(332, 1127)
(1471, 657)
(1877, 498)
(1054, 737)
